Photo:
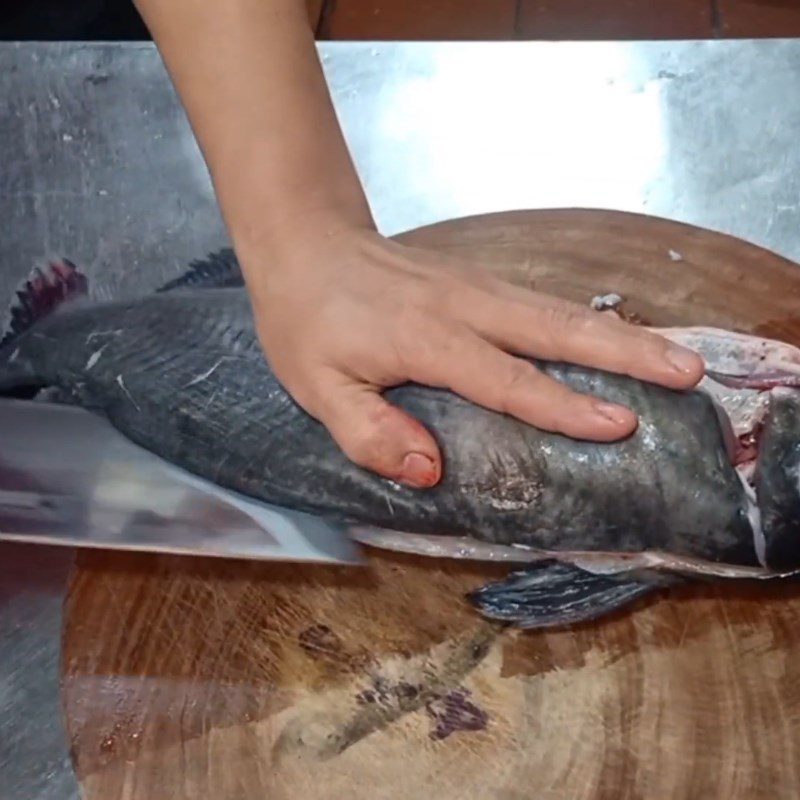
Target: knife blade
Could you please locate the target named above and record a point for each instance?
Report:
(68, 477)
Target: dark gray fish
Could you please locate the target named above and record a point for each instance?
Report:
(180, 372)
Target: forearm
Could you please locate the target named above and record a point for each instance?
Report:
(249, 78)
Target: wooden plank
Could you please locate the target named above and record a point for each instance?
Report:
(753, 19)
(424, 20)
(314, 12)
(615, 19)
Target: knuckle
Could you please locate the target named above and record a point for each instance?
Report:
(361, 445)
(368, 439)
(413, 322)
(408, 308)
(430, 349)
(443, 296)
(429, 305)
(444, 284)
(519, 378)
(638, 343)
(567, 318)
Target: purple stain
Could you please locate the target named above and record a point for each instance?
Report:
(455, 712)
(449, 713)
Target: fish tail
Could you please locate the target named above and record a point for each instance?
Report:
(43, 293)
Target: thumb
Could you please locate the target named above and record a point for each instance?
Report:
(379, 436)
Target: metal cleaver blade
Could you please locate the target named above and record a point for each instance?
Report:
(68, 477)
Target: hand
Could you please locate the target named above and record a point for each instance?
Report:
(342, 313)
(345, 315)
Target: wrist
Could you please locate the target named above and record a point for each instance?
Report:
(282, 213)
(272, 237)
(272, 246)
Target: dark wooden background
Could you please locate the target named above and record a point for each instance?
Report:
(444, 19)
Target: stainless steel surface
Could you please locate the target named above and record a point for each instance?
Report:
(34, 750)
(67, 477)
(99, 165)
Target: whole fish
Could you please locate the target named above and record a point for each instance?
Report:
(708, 484)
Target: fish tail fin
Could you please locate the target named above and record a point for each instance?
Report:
(215, 271)
(42, 294)
(555, 594)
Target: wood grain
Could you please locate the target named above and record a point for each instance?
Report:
(759, 18)
(451, 20)
(615, 19)
(186, 678)
(314, 8)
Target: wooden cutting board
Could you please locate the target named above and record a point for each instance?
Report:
(187, 678)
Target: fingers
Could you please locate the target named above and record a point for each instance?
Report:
(386, 440)
(483, 374)
(555, 330)
(377, 435)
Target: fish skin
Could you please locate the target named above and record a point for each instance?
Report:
(181, 373)
(777, 479)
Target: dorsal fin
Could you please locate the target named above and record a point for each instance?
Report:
(215, 271)
(43, 293)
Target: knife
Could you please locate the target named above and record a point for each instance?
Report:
(68, 477)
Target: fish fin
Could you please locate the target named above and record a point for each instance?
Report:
(554, 594)
(215, 271)
(43, 293)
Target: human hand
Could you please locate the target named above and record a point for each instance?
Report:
(343, 313)
(343, 316)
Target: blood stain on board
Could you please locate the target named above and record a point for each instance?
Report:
(455, 712)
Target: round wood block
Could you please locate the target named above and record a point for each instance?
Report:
(189, 678)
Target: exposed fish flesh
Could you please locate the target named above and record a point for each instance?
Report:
(708, 485)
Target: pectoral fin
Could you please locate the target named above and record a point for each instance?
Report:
(555, 594)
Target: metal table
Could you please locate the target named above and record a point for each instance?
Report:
(99, 164)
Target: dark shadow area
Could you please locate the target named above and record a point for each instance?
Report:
(71, 20)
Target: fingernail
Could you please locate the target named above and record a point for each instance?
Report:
(418, 471)
(617, 414)
(682, 359)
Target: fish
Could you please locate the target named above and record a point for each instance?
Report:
(706, 488)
